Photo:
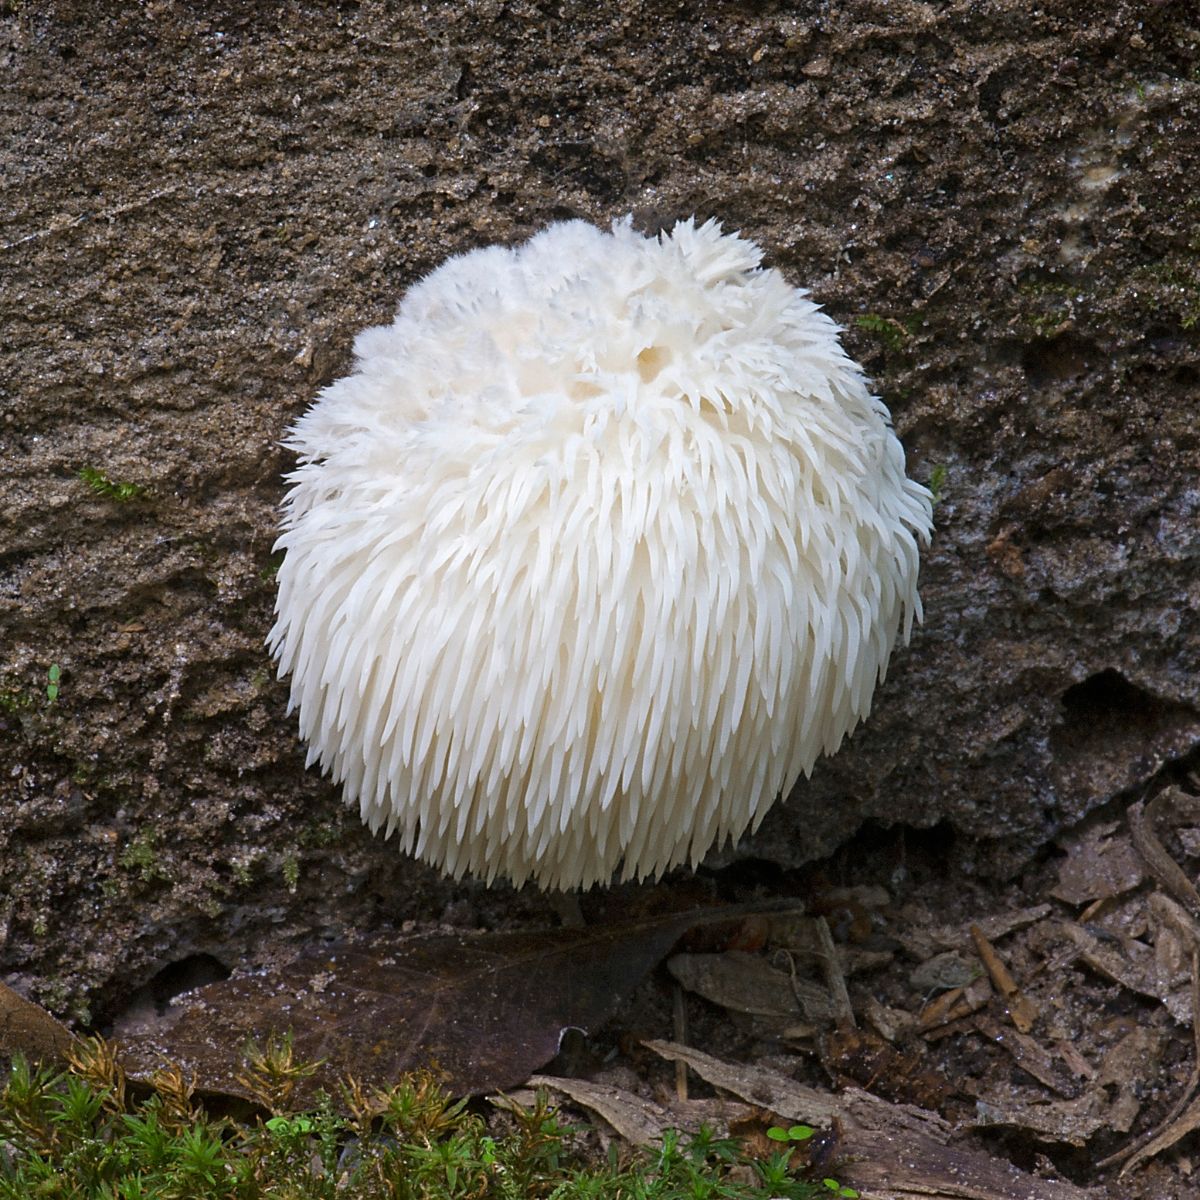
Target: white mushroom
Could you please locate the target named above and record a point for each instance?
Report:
(600, 547)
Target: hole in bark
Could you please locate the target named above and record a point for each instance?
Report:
(1056, 360)
(144, 1009)
(1112, 735)
(1107, 696)
(176, 978)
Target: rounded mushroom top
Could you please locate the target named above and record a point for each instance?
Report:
(603, 543)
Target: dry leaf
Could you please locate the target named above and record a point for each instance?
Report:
(748, 984)
(487, 1009)
(27, 1028)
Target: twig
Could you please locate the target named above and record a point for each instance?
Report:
(1021, 1010)
(835, 980)
(1143, 827)
(679, 1004)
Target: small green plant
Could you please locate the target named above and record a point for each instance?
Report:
(795, 1133)
(102, 485)
(839, 1190)
(141, 855)
(53, 676)
(81, 1132)
(775, 1167)
(937, 483)
(268, 573)
(13, 701)
(291, 872)
(887, 329)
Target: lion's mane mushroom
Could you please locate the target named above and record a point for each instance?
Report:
(603, 543)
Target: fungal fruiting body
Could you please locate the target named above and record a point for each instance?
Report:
(603, 543)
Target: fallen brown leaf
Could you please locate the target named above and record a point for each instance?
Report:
(487, 1009)
(746, 983)
(27, 1028)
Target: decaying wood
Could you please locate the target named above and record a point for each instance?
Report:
(1131, 964)
(890, 1151)
(1185, 1112)
(954, 1005)
(1030, 1056)
(1143, 826)
(633, 1117)
(835, 980)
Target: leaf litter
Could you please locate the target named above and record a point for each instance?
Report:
(488, 1009)
(492, 1009)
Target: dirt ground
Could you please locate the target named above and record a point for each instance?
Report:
(200, 207)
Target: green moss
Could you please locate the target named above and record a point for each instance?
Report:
(291, 872)
(1046, 325)
(889, 331)
(14, 701)
(120, 492)
(1173, 283)
(321, 834)
(54, 994)
(141, 855)
(81, 1133)
(268, 573)
(937, 482)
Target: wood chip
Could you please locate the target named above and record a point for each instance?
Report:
(1021, 1010)
(995, 926)
(1030, 1056)
(1184, 1116)
(1133, 965)
(1101, 863)
(834, 979)
(891, 1023)
(1068, 1122)
(1143, 826)
(954, 1006)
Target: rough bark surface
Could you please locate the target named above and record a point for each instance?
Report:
(200, 211)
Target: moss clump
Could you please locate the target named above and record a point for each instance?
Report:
(79, 1133)
(141, 855)
(120, 491)
(887, 329)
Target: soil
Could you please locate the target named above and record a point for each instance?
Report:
(200, 208)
